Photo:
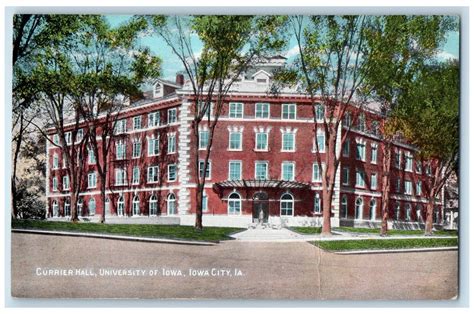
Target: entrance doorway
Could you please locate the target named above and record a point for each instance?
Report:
(260, 207)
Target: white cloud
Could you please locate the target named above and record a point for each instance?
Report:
(293, 52)
(444, 55)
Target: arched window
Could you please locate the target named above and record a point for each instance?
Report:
(92, 206)
(317, 203)
(136, 206)
(344, 206)
(107, 206)
(80, 202)
(359, 208)
(319, 112)
(120, 206)
(286, 205)
(55, 209)
(171, 202)
(407, 212)
(361, 122)
(153, 206)
(397, 211)
(67, 207)
(373, 209)
(234, 204)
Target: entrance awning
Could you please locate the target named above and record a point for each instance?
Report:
(264, 184)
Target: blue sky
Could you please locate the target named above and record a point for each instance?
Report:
(171, 64)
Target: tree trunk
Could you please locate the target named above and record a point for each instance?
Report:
(386, 162)
(329, 175)
(102, 198)
(199, 194)
(74, 216)
(15, 163)
(434, 187)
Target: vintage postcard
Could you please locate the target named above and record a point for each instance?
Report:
(250, 157)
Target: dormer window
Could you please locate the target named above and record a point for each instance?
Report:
(157, 88)
(261, 80)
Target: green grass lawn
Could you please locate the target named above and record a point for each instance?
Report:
(381, 244)
(155, 231)
(306, 230)
(395, 232)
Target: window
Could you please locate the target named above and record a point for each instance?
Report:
(136, 175)
(320, 141)
(203, 139)
(418, 188)
(375, 128)
(80, 206)
(408, 188)
(136, 148)
(120, 150)
(120, 176)
(55, 184)
(68, 137)
(236, 110)
(360, 151)
(235, 170)
(418, 166)
(120, 206)
(55, 209)
(361, 122)
(288, 142)
(205, 105)
(67, 207)
(137, 122)
(373, 181)
(261, 170)
(171, 204)
(120, 126)
(152, 174)
(172, 118)
(91, 180)
(234, 204)
(359, 208)
(317, 203)
(288, 111)
(79, 135)
(154, 119)
(345, 175)
(262, 110)
(157, 89)
(172, 172)
(153, 206)
(319, 109)
(408, 162)
(91, 157)
(66, 183)
(107, 206)
(55, 161)
(92, 206)
(208, 169)
(398, 159)
(64, 163)
(428, 170)
(373, 209)
(56, 140)
(344, 206)
(317, 173)
(235, 141)
(153, 146)
(261, 141)
(136, 206)
(407, 212)
(171, 143)
(347, 121)
(360, 182)
(288, 171)
(373, 154)
(398, 185)
(397, 211)
(204, 202)
(286, 205)
(346, 148)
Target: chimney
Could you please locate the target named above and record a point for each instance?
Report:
(179, 79)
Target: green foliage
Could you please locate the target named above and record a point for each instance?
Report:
(385, 244)
(135, 230)
(307, 230)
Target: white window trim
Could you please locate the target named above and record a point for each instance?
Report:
(323, 148)
(348, 176)
(171, 135)
(294, 169)
(153, 138)
(136, 141)
(321, 169)
(209, 167)
(265, 162)
(133, 122)
(133, 177)
(372, 187)
(175, 115)
(242, 107)
(148, 176)
(363, 177)
(240, 201)
(266, 142)
(346, 142)
(124, 177)
(240, 142)
(199, 139)
(55, 158)
(68, 184)
(293, 134)
(240, 174)
(408, 156)
(292, 202)
(53, 187)
(175, 173)
(155, 114)
(364, 155)
(372, 146)
(267, 105)
(289, 105)
(95, 180)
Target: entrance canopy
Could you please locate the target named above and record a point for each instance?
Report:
(263, 184)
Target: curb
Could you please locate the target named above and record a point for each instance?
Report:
(114, 237)
(433, 249)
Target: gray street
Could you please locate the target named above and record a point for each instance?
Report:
(74, 267)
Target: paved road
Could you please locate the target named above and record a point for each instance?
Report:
(269, 271)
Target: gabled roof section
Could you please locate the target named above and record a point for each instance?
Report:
(263, 72)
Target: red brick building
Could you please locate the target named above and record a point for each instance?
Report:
(263, 163)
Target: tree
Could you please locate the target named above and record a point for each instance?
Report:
(428, 116)
(109, 68)
(231, 44)
(402, 46)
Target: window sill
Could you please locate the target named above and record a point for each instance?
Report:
(261, 150)
(287, 151)
(314, 151)
(234, 150)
